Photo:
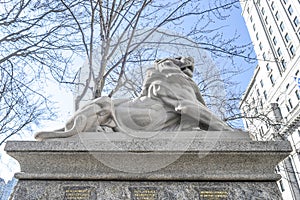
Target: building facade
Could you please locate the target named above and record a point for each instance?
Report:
(7, 189)
(271, 101)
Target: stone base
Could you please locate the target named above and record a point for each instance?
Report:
(142, 190)
(140, 166)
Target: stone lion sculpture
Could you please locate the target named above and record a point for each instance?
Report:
(170, 101)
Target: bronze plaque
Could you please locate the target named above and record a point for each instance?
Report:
(212, 193)
(79, 193)
(143, 193)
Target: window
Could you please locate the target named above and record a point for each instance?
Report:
(292, 50)
(287, 37)
(264, 56)
(279, 52)
(271, 30)
(297, 94)
(285, 1)
(290, 9)
(277, 112)
(258, 94)
(278, 168)
(287, 86)
(268, 67)
(272, 79)
(251, 18)
(254, 27)
(265, 95)
(274, 41)
(248, 10)
(277, 15)
(263, 10)
(257, 36)
(261, 83)
(283, 63)
(281, 26)
(281, 186)
(260, 46)
(296, 21)
(266, 19)
(290, 103)
(272, 5)
(287, 108)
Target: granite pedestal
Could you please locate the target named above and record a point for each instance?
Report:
(146, 165)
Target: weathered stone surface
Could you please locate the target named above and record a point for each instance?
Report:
(185, 156)
(176, 165)
(138, 190)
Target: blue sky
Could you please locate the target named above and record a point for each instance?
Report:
(237, 23)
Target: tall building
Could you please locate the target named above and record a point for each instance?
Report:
(7, 189)
(271, 101)
(2, 186)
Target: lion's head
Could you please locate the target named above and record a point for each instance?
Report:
(185, 64)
